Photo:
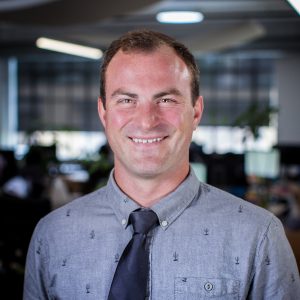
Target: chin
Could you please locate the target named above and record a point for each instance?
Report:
(148, 171)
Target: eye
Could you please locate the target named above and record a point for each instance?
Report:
(126, 101)
(167, 100)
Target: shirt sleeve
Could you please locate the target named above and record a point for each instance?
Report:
(35, 271)
(276, 275)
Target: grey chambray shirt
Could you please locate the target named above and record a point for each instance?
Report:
(209, 245)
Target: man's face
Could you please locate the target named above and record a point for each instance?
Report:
(149, 116)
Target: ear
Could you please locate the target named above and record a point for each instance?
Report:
(102, 112)
(198, 109)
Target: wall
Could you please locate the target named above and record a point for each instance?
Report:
(288, 84)
(8, 102)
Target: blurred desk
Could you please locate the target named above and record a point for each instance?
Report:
(65, 188)
(74, 184)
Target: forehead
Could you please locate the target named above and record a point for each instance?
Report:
(162, 61)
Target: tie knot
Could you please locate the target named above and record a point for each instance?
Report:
(143, 220)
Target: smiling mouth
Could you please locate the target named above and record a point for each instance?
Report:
(147, 141)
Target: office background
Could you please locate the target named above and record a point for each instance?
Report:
(52, 145)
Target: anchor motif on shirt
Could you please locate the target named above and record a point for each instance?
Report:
(237, 260)
(293, 277)
(117, 258)
(64, 263)
(92, 234)
(87, 288)
(175, 256)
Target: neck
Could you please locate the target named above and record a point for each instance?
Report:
(147, 191)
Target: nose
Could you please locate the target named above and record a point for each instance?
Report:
(147, 115)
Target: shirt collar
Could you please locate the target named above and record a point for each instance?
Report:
(167, 209)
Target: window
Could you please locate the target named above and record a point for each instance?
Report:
(58, 96)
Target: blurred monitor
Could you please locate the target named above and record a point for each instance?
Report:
(8, 165)
(262, 164)
(289, 154)
(200, 171)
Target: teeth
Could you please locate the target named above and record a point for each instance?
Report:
(145, 141)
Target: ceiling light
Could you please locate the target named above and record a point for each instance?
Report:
(295, 4)
(179, 17)
(69, 48)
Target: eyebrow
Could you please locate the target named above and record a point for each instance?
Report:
(172, 91)
(122, 92)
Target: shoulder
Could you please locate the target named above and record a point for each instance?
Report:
(229, 210)
(74, 214)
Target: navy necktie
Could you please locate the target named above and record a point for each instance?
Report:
(131, 276)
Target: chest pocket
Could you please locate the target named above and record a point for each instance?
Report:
(195, 288)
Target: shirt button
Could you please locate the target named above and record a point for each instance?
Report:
(164, 223)
(124, 221)
(208, 286)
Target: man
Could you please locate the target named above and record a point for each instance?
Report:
(207, 243)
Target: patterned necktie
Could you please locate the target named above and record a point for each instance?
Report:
(131, 276)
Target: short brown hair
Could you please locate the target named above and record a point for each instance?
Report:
(148, 41)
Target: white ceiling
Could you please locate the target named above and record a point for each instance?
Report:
(246, 25)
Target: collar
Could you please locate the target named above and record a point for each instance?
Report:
(168, 209)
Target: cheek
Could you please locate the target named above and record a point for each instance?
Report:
(117, 119)
(179, 119)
